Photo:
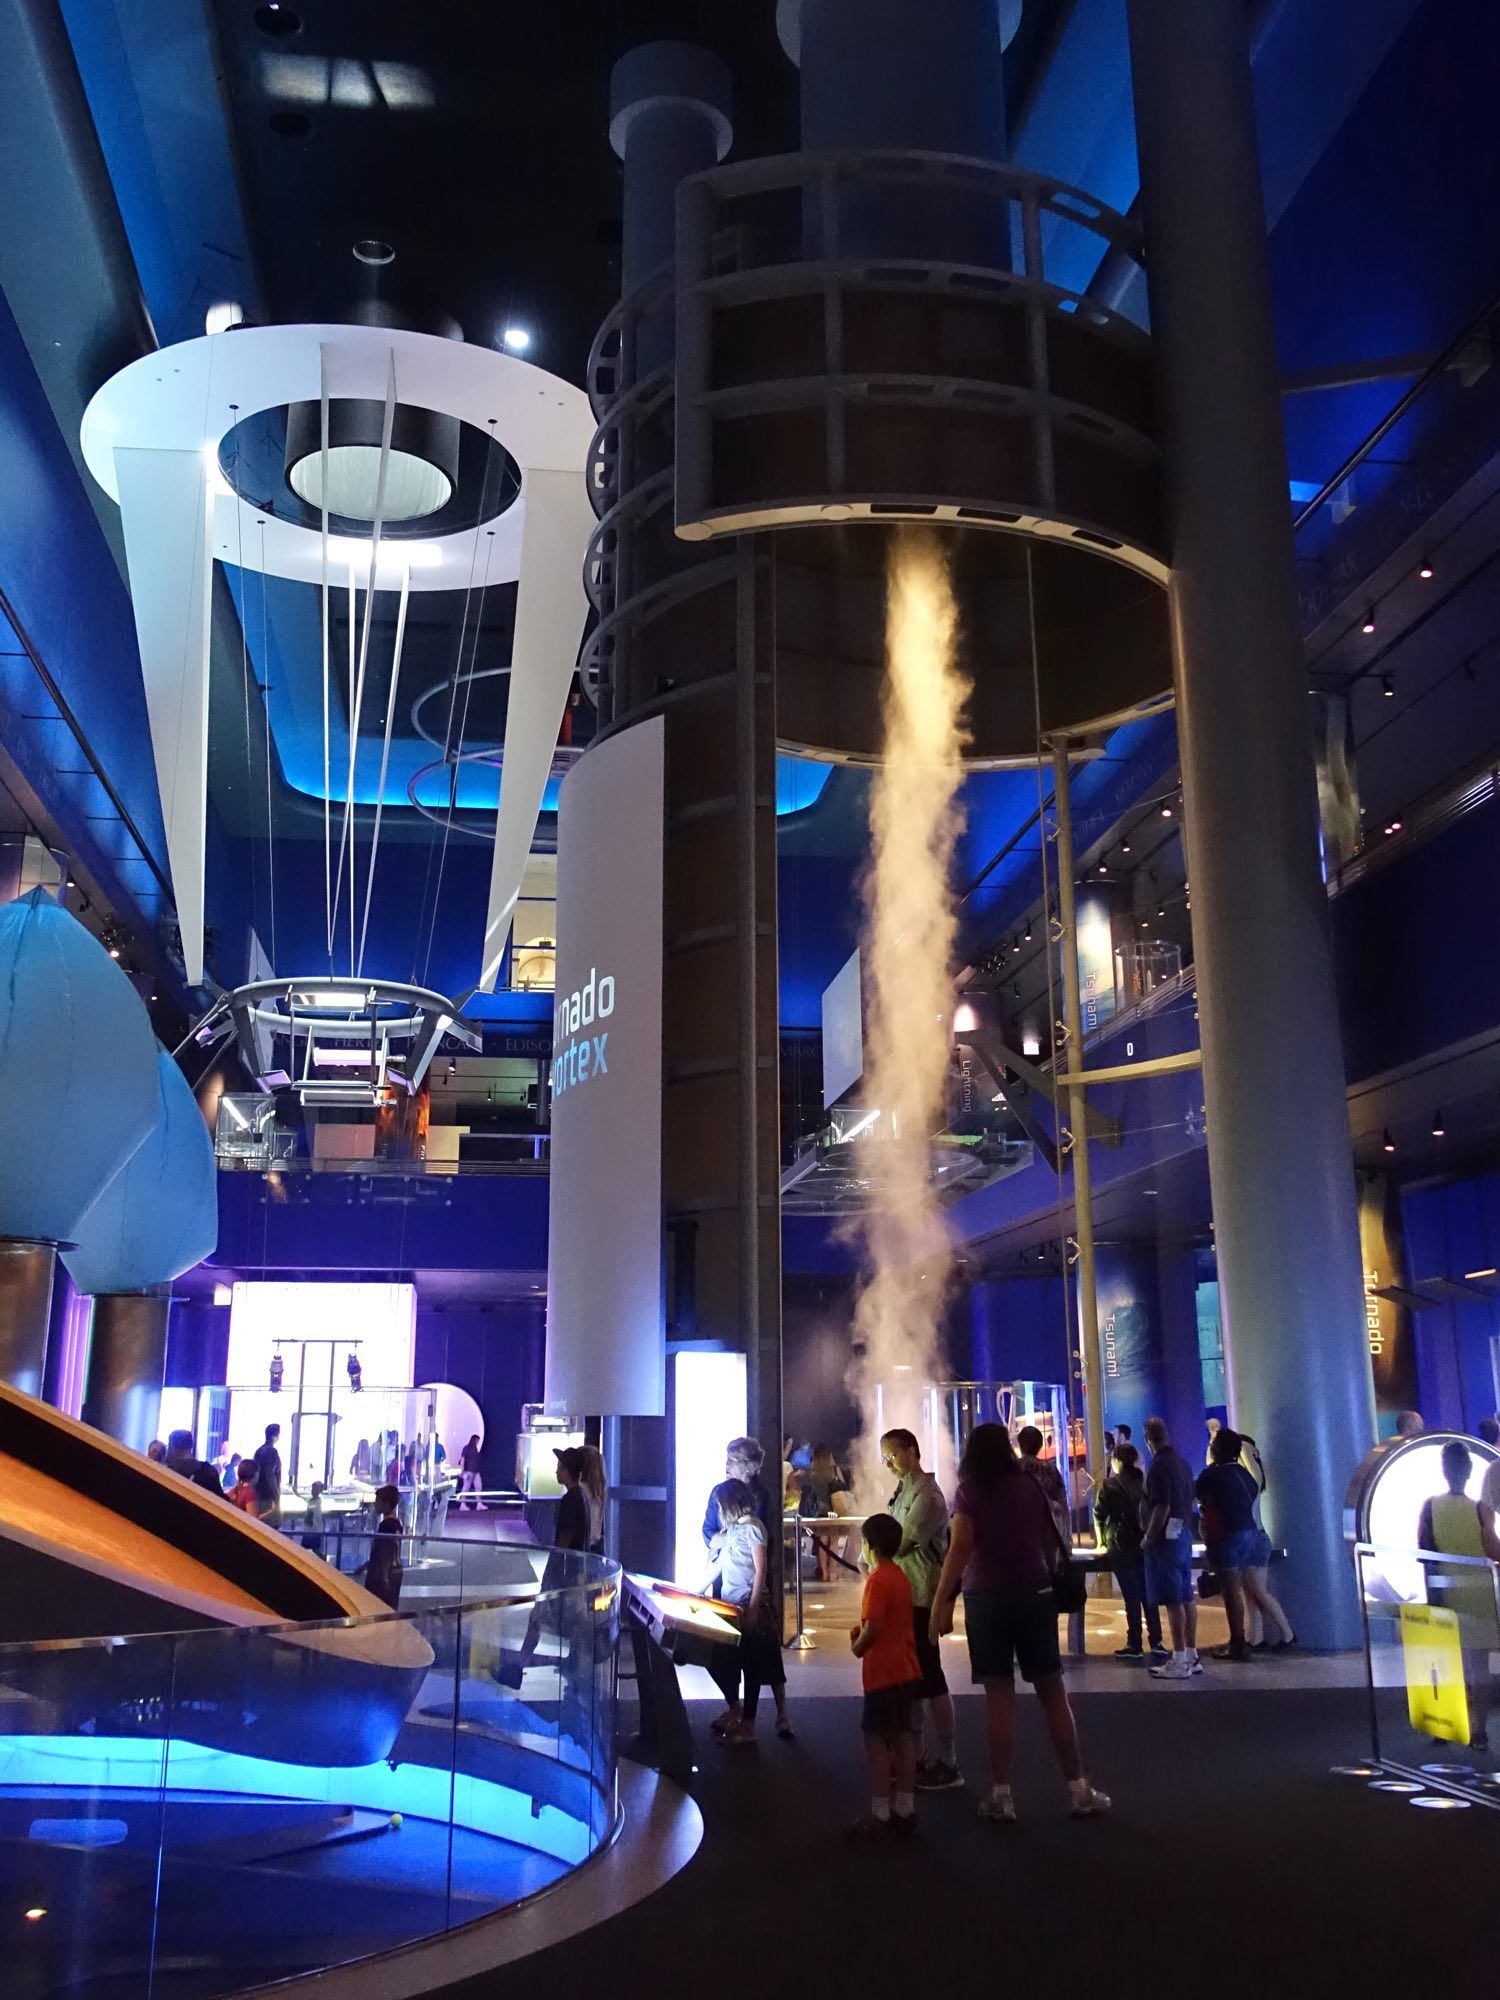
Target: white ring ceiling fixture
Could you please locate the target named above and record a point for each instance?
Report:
(151, 438)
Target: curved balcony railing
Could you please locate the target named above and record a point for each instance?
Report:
(175, 1820)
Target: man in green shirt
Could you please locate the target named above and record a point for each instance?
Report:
(922, 1513)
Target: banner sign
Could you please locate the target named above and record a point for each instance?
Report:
(606, 1340)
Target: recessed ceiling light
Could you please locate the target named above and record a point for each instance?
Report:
(371, 250)
(517, 339)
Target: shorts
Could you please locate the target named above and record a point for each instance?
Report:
(1169, 1571)
(887, 1710)
(929, 1661)
(1241, 1550)
(1011, 1628)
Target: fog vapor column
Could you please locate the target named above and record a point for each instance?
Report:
(1290, 1278)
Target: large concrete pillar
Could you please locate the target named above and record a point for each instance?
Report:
(25, 1307)
(669, 117)
(1278, 1136)
(127, 1360)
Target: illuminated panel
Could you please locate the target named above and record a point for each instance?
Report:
(265, 1315)
(709, 1408)
(843, 1031)
(1402, 1479)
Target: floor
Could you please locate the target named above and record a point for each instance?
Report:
(1234, 1860)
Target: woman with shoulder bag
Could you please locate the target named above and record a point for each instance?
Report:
(1006, 1554)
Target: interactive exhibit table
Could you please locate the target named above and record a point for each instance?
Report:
(670, 1628)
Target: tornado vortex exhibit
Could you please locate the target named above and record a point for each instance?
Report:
(907, 941)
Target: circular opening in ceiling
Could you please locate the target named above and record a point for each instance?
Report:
(290, 124)
(370, 250)
(274, 19)
(443, 476)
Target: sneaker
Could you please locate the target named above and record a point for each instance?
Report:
(867, 1827)
(939, 1777)
(1130, 1653)
(1195, 1665)
(998, 1804)
(1239, 1654)
(1175, 1667)
(1159, 1651)
(1085, 1803)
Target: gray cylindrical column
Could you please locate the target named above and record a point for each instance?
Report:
(889, 74)
(127, 1360)
(1290, 1279)
(896, 76)
(25, 1306)
(669, 117)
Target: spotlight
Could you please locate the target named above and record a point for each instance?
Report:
(1369, 625)
(1124, 846)
(517, 339)
(1438, 1130)
(1387, 687)
(356, 1373)
(1103, 870)
(1387, 1143)
(1166, 812)
(1016, 946)
(278, 1369)
(1028, 934)
(1426, 572)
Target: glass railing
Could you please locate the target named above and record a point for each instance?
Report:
(1432, 1631)
(193, 1813)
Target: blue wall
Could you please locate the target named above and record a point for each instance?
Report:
(1450, 1231)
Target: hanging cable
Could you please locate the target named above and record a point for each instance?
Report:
(327, 773)
(385, 758)
(347, 836)
(244, 611)
(422, 907)
(265, 664)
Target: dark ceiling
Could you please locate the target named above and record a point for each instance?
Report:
(472, 138)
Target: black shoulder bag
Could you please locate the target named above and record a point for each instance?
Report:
(1069, 1582)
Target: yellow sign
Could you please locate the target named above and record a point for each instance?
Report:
(1436, 1698)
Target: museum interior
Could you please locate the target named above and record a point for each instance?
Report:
(749, 793)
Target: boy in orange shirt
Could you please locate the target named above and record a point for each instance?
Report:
(883, 1644)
